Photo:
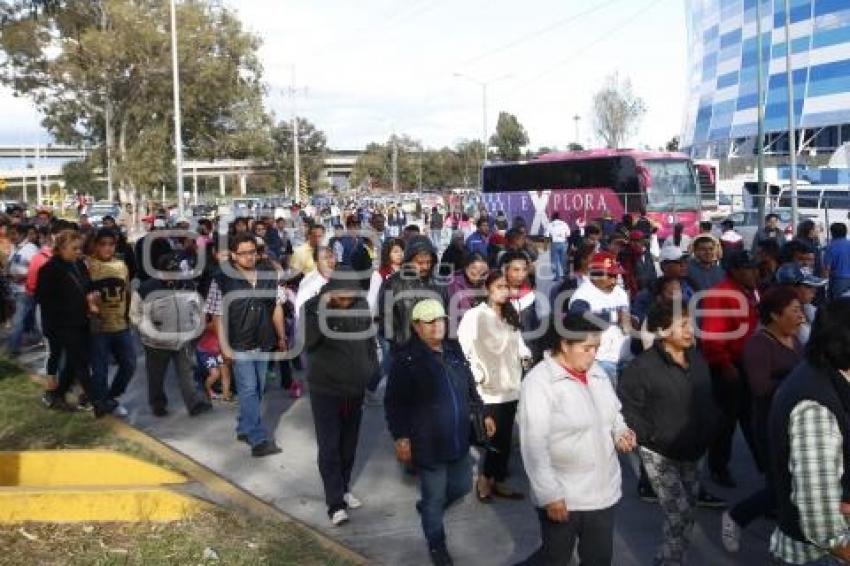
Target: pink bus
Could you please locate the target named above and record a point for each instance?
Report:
(583, 186)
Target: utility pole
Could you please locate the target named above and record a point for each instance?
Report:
(178, 136)
(292, 92)
(420, 168)
(762, 204)
(484, 140)
(395, 163)
(577, 119)
(108, 119)
(24, 174)
(792, 132)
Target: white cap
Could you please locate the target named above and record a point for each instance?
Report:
(183, 220)
(671, 253)
(159, 223)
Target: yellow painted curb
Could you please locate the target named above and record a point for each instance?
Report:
(227, 489)
(68, 505)
(48, 468)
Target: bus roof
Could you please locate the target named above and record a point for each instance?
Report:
(605, 152)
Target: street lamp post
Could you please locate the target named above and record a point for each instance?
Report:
(762, 205)
(178, 137)
(484, 130)
(792, 133)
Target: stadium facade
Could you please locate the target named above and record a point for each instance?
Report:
(721, 111)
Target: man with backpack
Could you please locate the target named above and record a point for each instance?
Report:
(169, 317)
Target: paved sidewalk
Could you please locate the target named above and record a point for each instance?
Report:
(386, 529)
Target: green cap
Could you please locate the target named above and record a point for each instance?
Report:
(428, 310)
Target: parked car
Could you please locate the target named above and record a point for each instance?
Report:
(98, 210)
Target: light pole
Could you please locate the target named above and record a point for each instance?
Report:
(483, 85)
(178, 137)
(762, 205)
(577, 119)
(792, 133)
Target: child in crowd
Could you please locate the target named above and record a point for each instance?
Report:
(211, 365)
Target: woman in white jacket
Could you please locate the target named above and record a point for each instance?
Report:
(492, 341)
(570, 429)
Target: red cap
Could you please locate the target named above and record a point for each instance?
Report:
(605, 262)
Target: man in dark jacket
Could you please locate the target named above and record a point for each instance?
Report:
(342, 354)
(667, 400)
(428, 405)
(401, 291)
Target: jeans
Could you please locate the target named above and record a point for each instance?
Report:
(592, 530)
(24, 311)
(558, 256)
(838, 286)
(441, 484)
(250, 378)
(105, 345)
(496, 461)
(156, 363)
(337, 421)
(677, 487)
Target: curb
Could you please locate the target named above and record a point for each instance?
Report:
(228, 490)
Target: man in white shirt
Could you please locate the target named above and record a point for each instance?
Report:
(599, 296)
(19, 262)
(559, 232)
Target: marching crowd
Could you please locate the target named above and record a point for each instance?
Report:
(644, 353)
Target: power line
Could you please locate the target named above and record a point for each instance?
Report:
(538, 32)
(600, 39)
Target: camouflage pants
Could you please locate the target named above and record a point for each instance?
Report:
(677, 487)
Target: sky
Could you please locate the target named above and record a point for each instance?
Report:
(369, 68)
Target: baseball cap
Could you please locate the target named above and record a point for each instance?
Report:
(793, 274)
(605, 262)
(671, 253)
(159, 223)
(741, 259)
(428, 310)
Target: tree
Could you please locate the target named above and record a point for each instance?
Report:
(82, 61)
(312, 150)
(617, 111)
(673, 144)
(510, 137)
(80, 176)
(374, 167)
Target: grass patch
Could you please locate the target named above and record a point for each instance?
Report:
(235, 537)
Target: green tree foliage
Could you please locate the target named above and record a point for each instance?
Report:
(312, 147)
(80, 60)
(510, 137)
(80, 176)
(436, 168)
(617, 111)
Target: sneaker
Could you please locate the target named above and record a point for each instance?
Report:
(339, 517)
(121, 411)
(265, 448)
(351, 501)
(440, 556)
(646, 493)
(56, 403)
(730, 533)
(709, 500)
(296, 390)
(200, 409)
(242, 438)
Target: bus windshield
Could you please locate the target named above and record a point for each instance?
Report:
(673, 186)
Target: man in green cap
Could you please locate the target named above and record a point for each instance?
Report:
(430, 394)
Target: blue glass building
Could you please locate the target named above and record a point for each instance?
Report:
(721, 111)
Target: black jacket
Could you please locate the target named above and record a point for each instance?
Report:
(61, 293)
(402, 290)
(671, 409)
(249, 318)
(428, 401)
(339, 365)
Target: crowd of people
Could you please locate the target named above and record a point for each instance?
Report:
(656, 350)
